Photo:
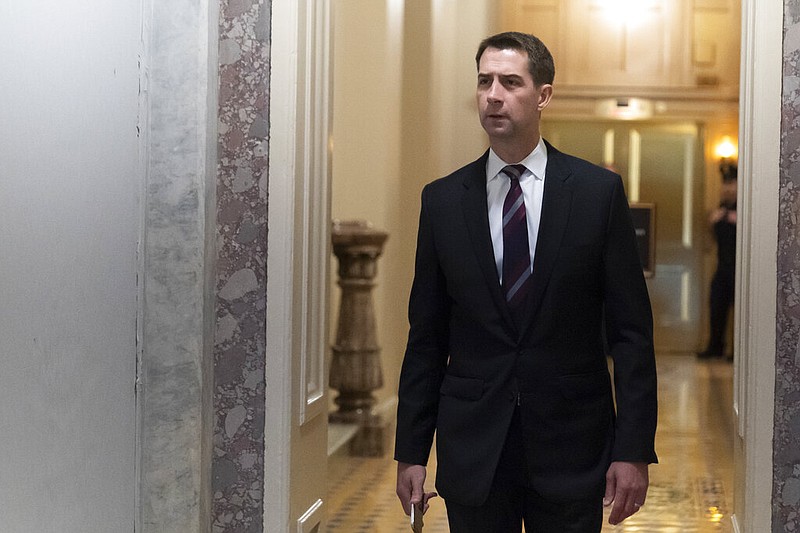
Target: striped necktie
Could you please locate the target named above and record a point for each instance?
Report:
(516, 252)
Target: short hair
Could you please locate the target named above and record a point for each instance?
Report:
(540, 61)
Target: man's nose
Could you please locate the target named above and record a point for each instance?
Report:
(493, 93)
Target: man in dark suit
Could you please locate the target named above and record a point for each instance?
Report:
(523, 256)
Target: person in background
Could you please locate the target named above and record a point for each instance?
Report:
(520, 256)
(723, 225)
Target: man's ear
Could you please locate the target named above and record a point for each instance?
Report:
(545, 94)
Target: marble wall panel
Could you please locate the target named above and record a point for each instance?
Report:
(239, 346)
(178, 132)
(786, 455)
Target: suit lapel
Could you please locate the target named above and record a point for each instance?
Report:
(556, 204)
(476, 216)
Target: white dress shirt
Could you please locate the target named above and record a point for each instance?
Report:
(532, 184)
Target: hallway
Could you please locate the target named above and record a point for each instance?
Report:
(691, 490)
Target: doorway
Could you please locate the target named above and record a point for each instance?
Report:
(754, 407)
(661, 165)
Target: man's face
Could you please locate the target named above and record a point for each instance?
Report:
(509, 103)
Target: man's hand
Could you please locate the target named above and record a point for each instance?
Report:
(410, 486)
(717, 215)
(626, 488)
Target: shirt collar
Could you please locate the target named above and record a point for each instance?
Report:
(535, 162)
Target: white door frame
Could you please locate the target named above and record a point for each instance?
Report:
(760, 103)
(756, 283)
(298, 258)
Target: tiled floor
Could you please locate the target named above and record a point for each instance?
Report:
(691, 490)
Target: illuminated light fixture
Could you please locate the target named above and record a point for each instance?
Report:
(727, 153)
(714, 514)
(624, 108)
(626, 12)
(725, 149)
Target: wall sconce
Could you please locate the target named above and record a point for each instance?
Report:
(727, 153)
(725, 149)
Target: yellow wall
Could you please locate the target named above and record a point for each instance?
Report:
(366, 148)
(403, 116)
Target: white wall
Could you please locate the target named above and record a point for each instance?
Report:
(69, 224)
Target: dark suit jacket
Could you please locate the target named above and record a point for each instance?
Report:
(467, 364)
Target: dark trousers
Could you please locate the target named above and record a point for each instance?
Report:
(512, 501)
(720, 303)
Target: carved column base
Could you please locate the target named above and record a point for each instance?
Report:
(354, 408)
(376, 437)
(355, 362)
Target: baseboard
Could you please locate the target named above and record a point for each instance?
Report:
(340, 434)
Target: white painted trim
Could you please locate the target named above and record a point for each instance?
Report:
(298, 251)
(315, 208)
(735, 524)
(756, 284)
(280, 259)
(311, 519)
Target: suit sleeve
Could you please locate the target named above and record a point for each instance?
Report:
(629, 331)
(426, 353)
